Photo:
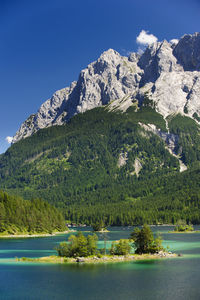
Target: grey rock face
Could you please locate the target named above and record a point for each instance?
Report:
(170, 139)
(187, 52)
(47, 115)
(168, 72)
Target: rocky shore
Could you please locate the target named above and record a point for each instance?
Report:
(96, 259)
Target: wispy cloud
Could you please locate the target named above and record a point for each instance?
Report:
(9, 139)
(144, 38)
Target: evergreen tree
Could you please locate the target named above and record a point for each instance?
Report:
(78, 245)
(144, 241)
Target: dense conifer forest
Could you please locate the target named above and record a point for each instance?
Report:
(87, 168)
(28, 217)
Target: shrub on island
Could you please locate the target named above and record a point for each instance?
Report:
(82, 246)
(120, 248)
(78, 245)
(144, 241)
(181, 226)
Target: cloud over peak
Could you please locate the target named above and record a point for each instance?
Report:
(9, 139)
(144, 38)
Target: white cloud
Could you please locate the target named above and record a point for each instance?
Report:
(144, 38)
(174, 41)
(9, 139)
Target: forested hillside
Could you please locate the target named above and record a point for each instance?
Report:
(28, 217)
(105, 165)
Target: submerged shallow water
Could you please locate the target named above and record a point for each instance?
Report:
(156, 279)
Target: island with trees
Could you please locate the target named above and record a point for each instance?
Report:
(99, 226)
(182, 227)
(79, 248)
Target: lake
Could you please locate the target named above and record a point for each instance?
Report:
(177, 278)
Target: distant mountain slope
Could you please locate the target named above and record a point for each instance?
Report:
(168, 73)
(122, 167)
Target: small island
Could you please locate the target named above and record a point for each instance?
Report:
(82, 249)
(99, 227)
(182, 227)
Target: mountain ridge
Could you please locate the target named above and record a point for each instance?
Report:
(168, 72)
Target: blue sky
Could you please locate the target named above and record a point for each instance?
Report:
(45, 43)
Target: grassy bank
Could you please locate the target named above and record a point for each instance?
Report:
(95, 259)
(32, 235)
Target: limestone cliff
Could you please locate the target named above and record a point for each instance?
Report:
(169, 73)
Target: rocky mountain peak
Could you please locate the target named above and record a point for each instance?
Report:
(187, 52)
(168, 72)
(110, 55)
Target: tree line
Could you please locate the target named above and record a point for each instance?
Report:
(75, 168)
(22, 216)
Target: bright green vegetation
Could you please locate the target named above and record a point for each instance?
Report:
(78, 245)
(144, 241)
(82, 246)
(182, 227)
(51, 165)
(122, 247)
(76, 168)
(18, 216)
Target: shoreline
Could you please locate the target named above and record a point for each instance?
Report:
(14, 236)
(194, 231)
(94, 259)
(101, 231)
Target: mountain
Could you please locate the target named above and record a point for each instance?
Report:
(111, 165)
(125, 145)
(169, 73)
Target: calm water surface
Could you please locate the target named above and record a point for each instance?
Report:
(171, 279)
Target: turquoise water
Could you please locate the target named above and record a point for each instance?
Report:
(177, 278)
